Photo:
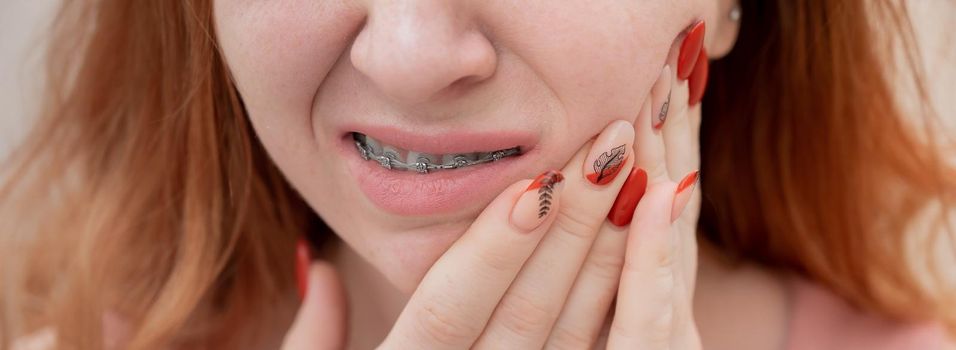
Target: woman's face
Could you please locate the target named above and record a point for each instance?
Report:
(440, 77)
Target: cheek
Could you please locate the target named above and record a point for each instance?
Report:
(279, 53)
(599, 58)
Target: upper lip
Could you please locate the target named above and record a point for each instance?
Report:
(447, 142)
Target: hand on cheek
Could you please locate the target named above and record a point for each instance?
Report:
(543, 263)
(657, 280)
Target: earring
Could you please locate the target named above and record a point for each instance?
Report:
(735, 12)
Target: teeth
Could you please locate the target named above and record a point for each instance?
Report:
(393, 157)
(493, 155)
(372, 144)
(453, 158)
(413, 157)
(421, 160)
(392, 152)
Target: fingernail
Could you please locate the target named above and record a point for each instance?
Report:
(537, 201)
(690, 49)
(631, 193)
(662, 98)
(684, 190)
(303, 258)
(609, 153)
(698, 79)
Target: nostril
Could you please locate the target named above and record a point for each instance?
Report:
(413, 62)
(461, 84)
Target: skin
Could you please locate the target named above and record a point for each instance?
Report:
(305, 68)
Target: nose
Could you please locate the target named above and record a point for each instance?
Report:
(413, 50)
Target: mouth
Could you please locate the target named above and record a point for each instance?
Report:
(395, 158)
(419, 173)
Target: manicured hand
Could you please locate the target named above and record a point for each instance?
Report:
(542, 264)
(504, 282)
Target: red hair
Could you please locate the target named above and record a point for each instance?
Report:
(143, 191)
(810, 165)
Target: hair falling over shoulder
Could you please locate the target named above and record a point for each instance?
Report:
(146, 194)
(142, 192)
(810, 165)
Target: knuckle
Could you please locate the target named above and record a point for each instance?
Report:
(659, 326)
(623, 334)
(525, 316)
(631, 267)
(664, 282)
(607, 265)
(574, 224)
(659, 261)
(497, 260)
(657, 169)
(652, 332)
(570, 339)
(439, 322)
(663, 257)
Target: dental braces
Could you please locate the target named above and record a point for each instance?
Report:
(423, 165)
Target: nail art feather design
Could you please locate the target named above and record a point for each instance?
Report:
(608, 163)
(545, 185)
(537, 201)
(662, 116)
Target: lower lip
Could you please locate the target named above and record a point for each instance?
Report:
(409, 193)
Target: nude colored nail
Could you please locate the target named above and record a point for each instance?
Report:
(661, 93)
(609, 153)
(538, 201)
(684, 190)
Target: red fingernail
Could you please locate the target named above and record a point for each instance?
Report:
(631, 193)
(609, 153)
(698, 79)
(682, 195)
(303, 259)
(690, 49)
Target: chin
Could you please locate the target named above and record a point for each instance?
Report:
(404, 258)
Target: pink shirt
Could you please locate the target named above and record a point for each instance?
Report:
(823, 321)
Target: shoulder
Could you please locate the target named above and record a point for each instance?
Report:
(747, 306)
(740, 306)
(822, 320)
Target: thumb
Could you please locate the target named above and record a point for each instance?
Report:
(322, 319)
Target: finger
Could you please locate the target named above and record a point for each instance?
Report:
(322, 319)
(585, 312)
(459, 293)
(527, 312)
(590, 299)
(684, 332)
(684, 214)
(682, 156)
(682, 153)
(680, 135)
(648, 144)
(644, 309)
(682, 147)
